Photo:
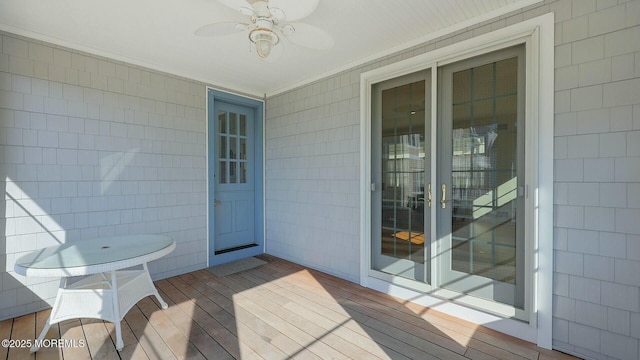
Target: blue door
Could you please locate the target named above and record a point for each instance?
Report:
(235, 177)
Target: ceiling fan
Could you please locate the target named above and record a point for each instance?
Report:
(269, 21)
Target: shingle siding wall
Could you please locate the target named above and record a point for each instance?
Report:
(312, 191)
(312, 175)
(92, 147)
(597, 292)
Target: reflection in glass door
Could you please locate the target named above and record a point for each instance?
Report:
(400, 171)
(481, 172)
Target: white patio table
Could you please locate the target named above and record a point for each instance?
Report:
(110, 290)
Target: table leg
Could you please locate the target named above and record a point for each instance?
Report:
(47, 324)
(155, 291)
(36, 344)
(116, 311)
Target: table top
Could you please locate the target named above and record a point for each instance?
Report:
(94, 256)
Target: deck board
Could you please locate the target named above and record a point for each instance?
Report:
(279, 310)
(51, 352)
(98, 340)
(5, 332)
(71, 330)
(24, 328)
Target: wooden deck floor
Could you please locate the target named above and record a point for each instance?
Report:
(275, 311)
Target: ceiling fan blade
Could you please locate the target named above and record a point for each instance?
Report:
(238, 5)
(309, 36)
(293, 9)
(221, 29)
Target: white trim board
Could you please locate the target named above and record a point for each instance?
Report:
(538, 36)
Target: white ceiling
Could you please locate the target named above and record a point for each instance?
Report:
(159, 34)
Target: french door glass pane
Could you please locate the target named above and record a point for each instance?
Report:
(243, 172)
(233, 150)
(233, 177)
(484, 178)
(243, 125)
(233, 126)
(243, 149)
(222, 176)
(223, 147)
(403, 172)
(222, 122)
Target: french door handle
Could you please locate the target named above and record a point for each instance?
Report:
(443, 202)
(429, 195)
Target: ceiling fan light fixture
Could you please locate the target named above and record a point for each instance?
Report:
(268, 21)
(265, 40)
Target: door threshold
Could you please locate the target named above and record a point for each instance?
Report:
(241, 247)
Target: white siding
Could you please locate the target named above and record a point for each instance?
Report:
(92, 147)
(312, 175)
(599, 258)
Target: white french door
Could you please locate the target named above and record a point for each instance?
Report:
(401, 168)
(447, 206)
(481, 177)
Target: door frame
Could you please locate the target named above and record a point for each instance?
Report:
(537, 35)
(213, 96)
